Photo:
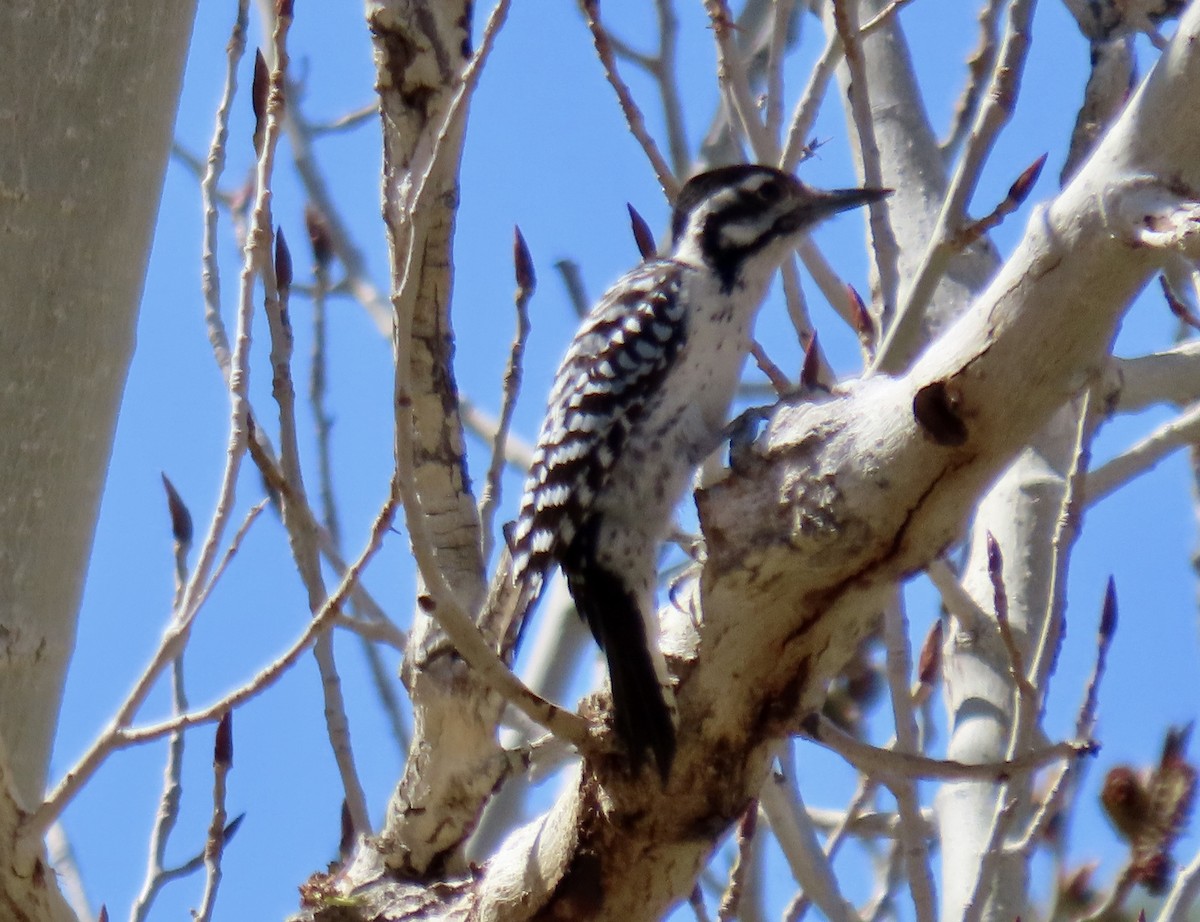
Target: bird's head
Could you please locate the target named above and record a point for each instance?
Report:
(747, 217)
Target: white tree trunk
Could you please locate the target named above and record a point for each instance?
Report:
(88, 93)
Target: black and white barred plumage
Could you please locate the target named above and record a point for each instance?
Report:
(640, 399)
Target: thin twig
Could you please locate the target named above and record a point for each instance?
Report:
(317, 389)
(168, 804)
(345, 122)
(911, 844)
(1181, 432)
(960, 603)
(572, 279)
(1027, 695)
(902, 339)
(298, 519)
(797, 909)
(782, 15)
(1126, 881)
(1085, 724)
(214, 846)
(1183, 895)
(888, 764)
(526, 284)
(374, 632)
(884, 249)
(744, 838)
(172, 793)
(804, 116)
(269, 674)
(811, 867)
(661, 67)
(518, 453)
(779, 380)
(979, 68)
(442, 602)
(211, 274)
(732, 76)
(633, 115)
(1066, 530)
(1031, 688)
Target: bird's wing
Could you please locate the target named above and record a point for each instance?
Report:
(611, 372)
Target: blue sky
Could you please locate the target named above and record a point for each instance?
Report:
(547, 150)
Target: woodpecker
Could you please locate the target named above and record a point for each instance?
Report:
(639, 401)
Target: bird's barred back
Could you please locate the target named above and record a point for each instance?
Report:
(610, 375)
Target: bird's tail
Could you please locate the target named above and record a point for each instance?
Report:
(640, 712)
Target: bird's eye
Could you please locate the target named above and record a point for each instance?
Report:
(768, 192)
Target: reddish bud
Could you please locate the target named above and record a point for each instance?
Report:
(1108, 614)
(929, 664)
(642, 235)
(864, 326)
(231, 828)
(283, 262)
(181, 518)
(810, 371)
(995, 566)
(523, 264)
(1023, 184)
(260, 89)
(346, 833)
(223, 745)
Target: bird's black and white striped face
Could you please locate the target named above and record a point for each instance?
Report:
(740, 220)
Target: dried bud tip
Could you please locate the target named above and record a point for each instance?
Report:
(260, 88)
(320, 238)
(346, 832)
(523, 263)
(811, 370)
(285, 9)
(642, 235)
(864, 326)
(929, 664)
(231, 828)
(995, 559)
(283, 262)
(181, 518)
(1108, 614)
(1023, 184)
(223, 745)
(103, 917)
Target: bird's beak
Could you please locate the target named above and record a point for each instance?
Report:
(827, 202)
